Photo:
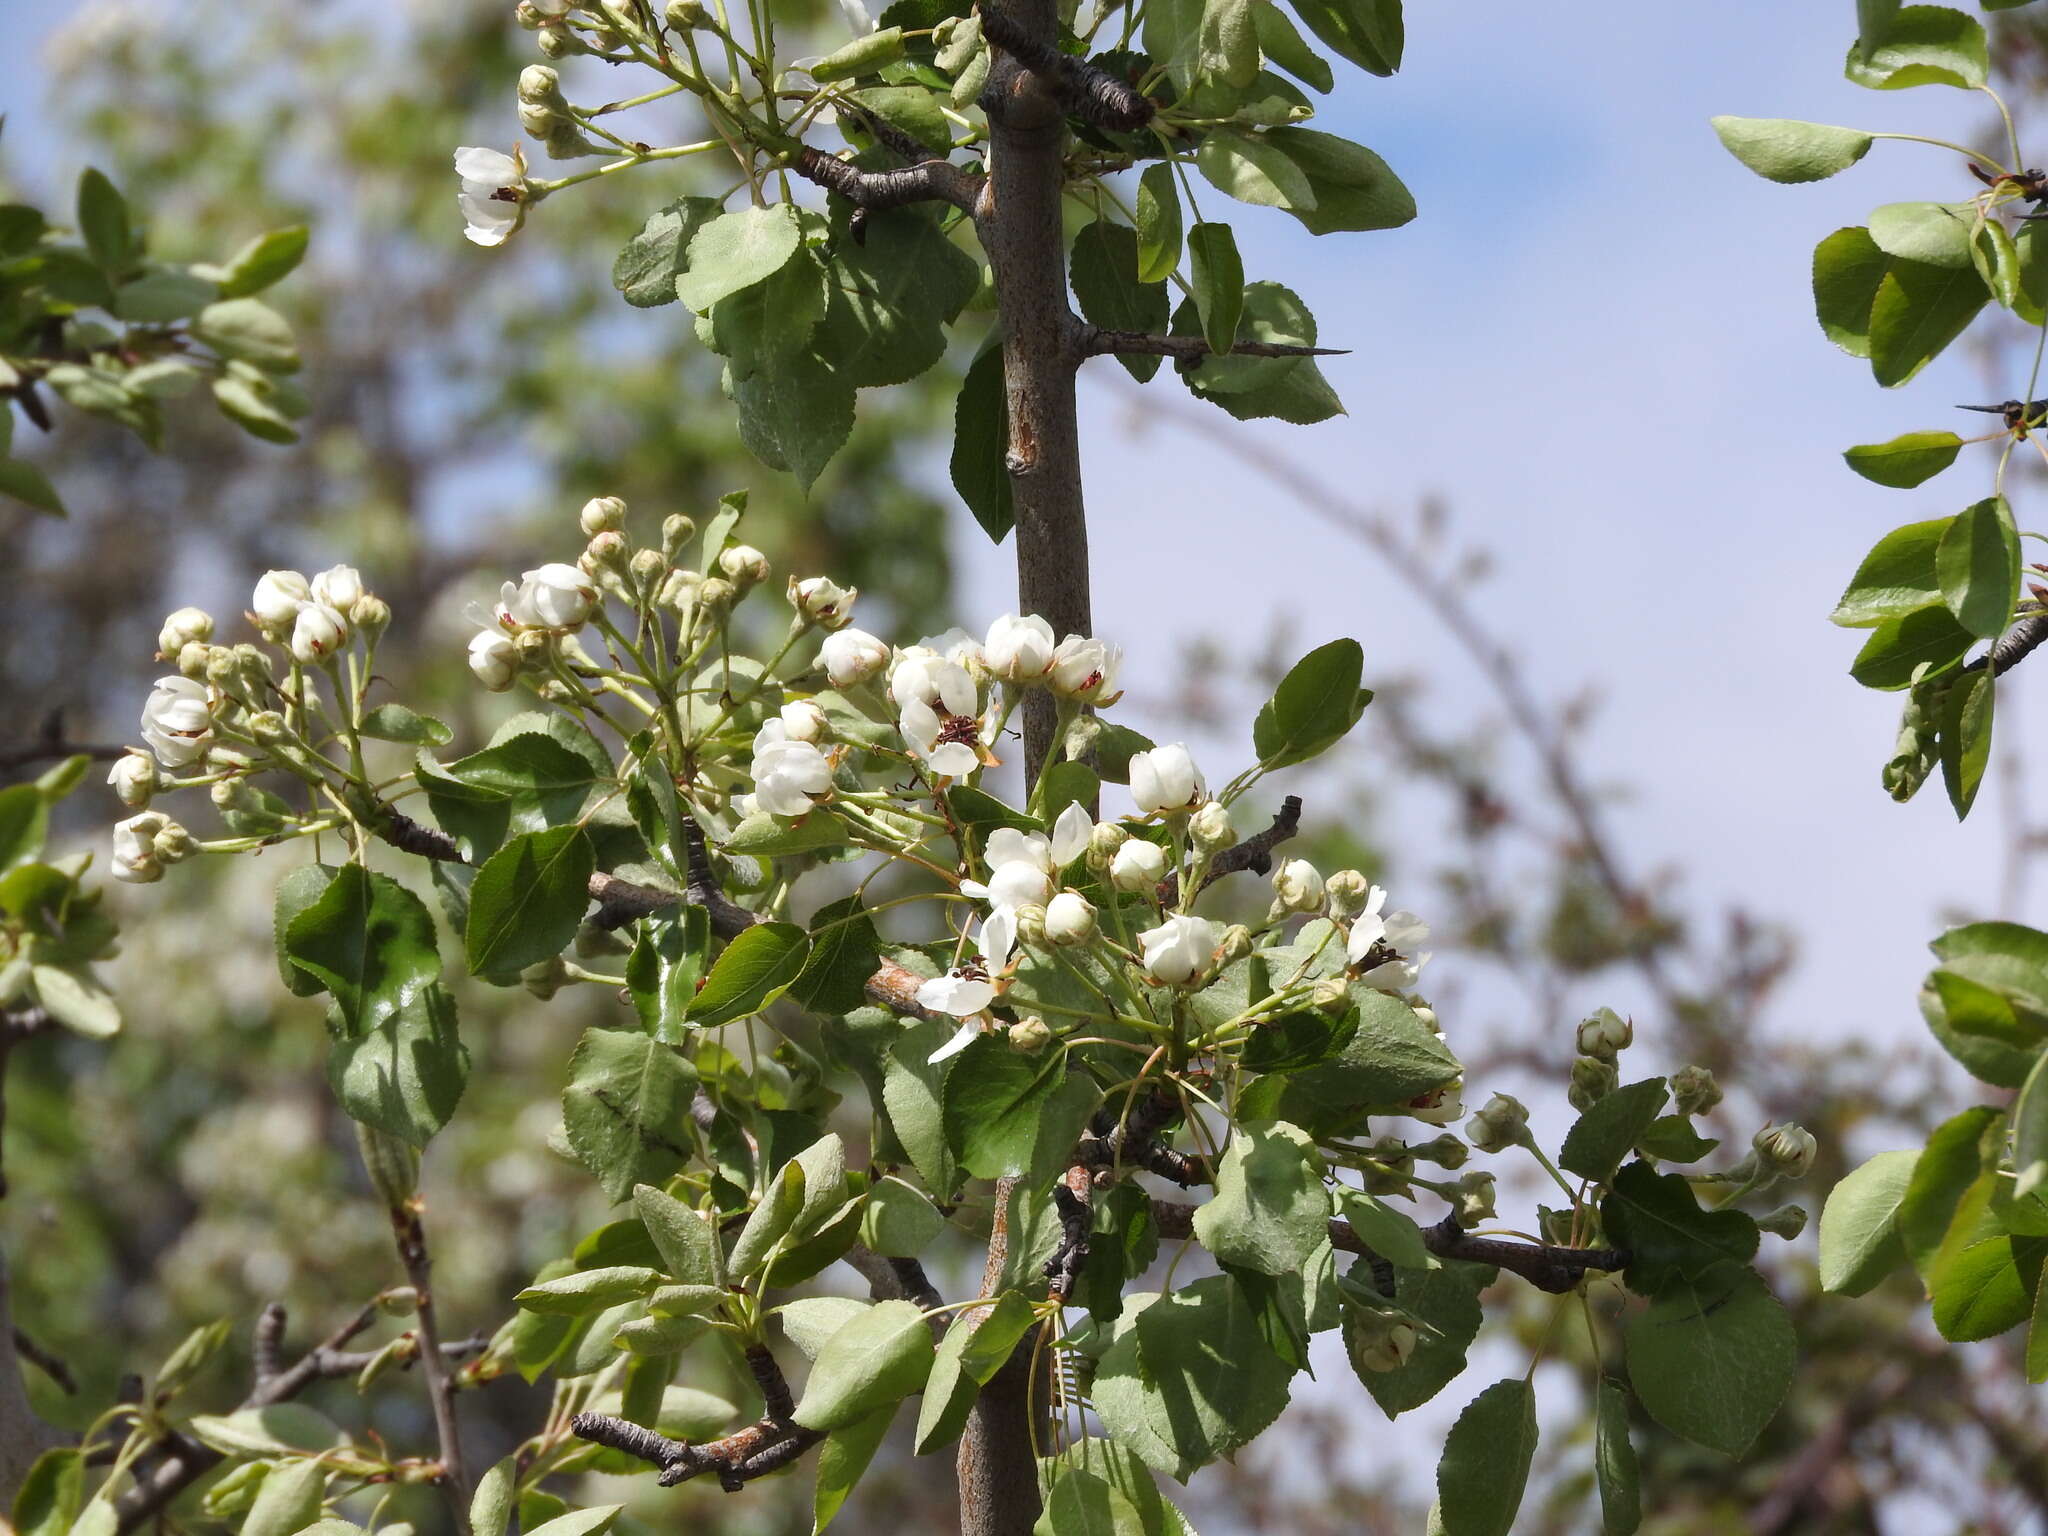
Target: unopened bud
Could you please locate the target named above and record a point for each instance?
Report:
(606, 551)
(1138, 867)
(134, 780)
(1030, 919)
(1694, 1091)
(1592, 1080)
(1103, 844)
(533, 645)
(269, 728)
(595, 943)
(1784, 1151)
(1298, 887)
(372, 616)
(677, 529)
(1787, 1221)
(398, 1301)
(1473, 1202)
(1347, 890)
(1427, 1015)
(194, 657)
(174, 844)
(1502, 1122)
(1235, 945)
(539, 83)
(1446, 1151)
(538, 119)
(1380, 1341)
(601, 514)
(1210, 827)
(822, 601)
(181, 629)
(678, 590)
(683, 14)
(646, 569)
(716, 594)
(530, 16)
(1332, 994)
(558, 42)
(544, 978)
(743, 565)
(1030, 1036)
(803, 720)
(1555, 1227)
(1605, 1034)
(1069, 920)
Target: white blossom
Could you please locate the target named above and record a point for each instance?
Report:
(1019, 650)
(1180, 946)
(1298, 886)
(317, 634)
(822, 600)
(963, 1036)
(340, 587)
(1440, 1106)
(177, 721)
(135, 856)
(493, 195)
(1165, 780)
(1137, 866)
(1398, 931)
(556, 596)
(789, 776)
(852, 656)
(494, 659)
(278, 598)
(1086, 668)
(1069, 919)
(858, 21)
(1019, 869)
(804, 721)
(1070, 834)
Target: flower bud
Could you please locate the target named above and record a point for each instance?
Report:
(558, 42)
(1237, 943)
(538, 120)
(1440, 1106)
(278, 598)
(1787, 1221)
(595, 943)
(1298, 887)
(600, 514)
(1347, 891)
(494, 659)
(606, 552)
(1605, 1034)
(1211, 829)
(372, 616)
(1029, 917)
(544, 978)
(194, 657)
(1103, 843)
(539, 83)
(530, 16)
(224, 671)
(852, 656)
(1501, 1123)
(802, 720)
(1138, 866)
(269, 728)
(1784, 1151)
(1069, 920)
(1427, 1016)
(317, 634)
(645, 570)
(181, 629)
(248, 811)
(534, 646)
(1019, 650)
(1473, 1202)
(1694, 1091)
(134, 780)
(1331, 994)
(174, 844)
(683, 14)
(822, 601)
(1446, 1151)
(340, 587)
(1592, 1080)
(1165, 781)
(1030, 1036)
(1379, 1341)
(743, 565)
(1555, 1227)
(716, 594)
(678, 590)
(677, 529)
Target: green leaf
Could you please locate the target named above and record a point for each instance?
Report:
(1779, 149)
(1907, 460)
(1285, 47)
(973, 1350)
(874, 1360)
(2030, 1132)
(528, 901)
(1873, 20)
(753, 971)
(1159, 220)
(1355, 190)
(626, 1109)
(277, 1430)
(913, 1092)
(162, 295)
(1848, 269)
(911, 110)
(394, 722)
(892, 296)
(1966, 737)
(24, 822)
(1081, 1504)
(248, 409)
(842, 1459)
(1909, 650)
(1218, 280)
(1670, 1239)
(1104, 271)
(897, 1221)
(688, 1244)
(589, 1290)
(1921, 45)
(263, 261)
(862, 56)
(103, 221)
(1712, 1357)
(1392, 1059)
(737, 250)
(296, 892)
(1246, 167)
(1978, 566)
(1446, 1301)
(1614, 1463)
(796, 412)
(1317, 702)
(1917, 311)
(647, 268)
(1672, 1139)
(1606, 1132)
(248, 329)
(1859, 1235)
(1271, 314)
(763, 836)
(1270, 1209)
(981, 439)
(75, 999)
(665, 967)
(1942, 1174)
(405, 1072)
(1486, 1460)
(26, 483)
(994, 1097)
(845, 949)
(1896, 578)
(369, 941)
(578, 1522)
(1386, 1231)
(2037, 1333)
(1367, 32)
(48, 1499)
(497, 1495)
(1227, 42)
(1983, 1277)
(1937, 234)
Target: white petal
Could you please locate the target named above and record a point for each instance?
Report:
(962, 1038)
(1070, 834)
(998, 937)
(492, 166)
(954, 760)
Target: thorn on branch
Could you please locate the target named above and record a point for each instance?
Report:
(1255, 853)
(929, 181)
(1190, 349)
(1087, 90)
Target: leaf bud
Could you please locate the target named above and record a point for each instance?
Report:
(743, 565)
(1592, 1080)
(683, 15)
(1103, 845)
(1787, 1221)
(393, 1165)
(194, 657)
(1332, 994)
(822, 601)
(1298, 887)
(1347, 890)
(646, 568)
(400, 1351)
(1379, 1341)
(544, 978)
(1694, 1091)
(134, 780)
(1473, 1202)
(181, 629)
(1784, 1151)
(601, 514)
(717, 594)
(677, 529)
(1502, 1122)
(1605, 1034)
(398, 1301)
(1211, 829)
(1030, 1036)
(1069, 920)
(1446, 1151)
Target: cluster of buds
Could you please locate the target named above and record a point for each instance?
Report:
(546, 115)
